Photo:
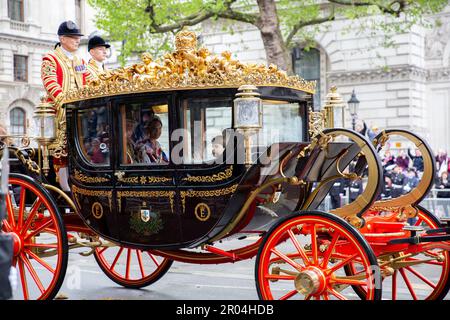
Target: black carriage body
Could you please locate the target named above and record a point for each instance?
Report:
(180, 205)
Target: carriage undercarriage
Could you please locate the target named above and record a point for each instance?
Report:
(386, 251)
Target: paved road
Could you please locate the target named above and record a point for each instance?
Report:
(85, 280)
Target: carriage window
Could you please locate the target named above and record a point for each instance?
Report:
(282, 122)
(204, 120)
(145, 133)
(94, 135)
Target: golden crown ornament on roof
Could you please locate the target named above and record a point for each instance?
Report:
(187, 68)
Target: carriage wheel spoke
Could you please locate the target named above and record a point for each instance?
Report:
(421, 277)
(308, 297)
(279, 277)
(153, 258)
(10, 210)
(289, 295)
(326, 296)
(314, 245)
(102, 250)
(418, 222)
(299, 248)
(116, 259)
(330, 250)
(32, 272)
(23, 279)
(336, 294)
(40, 261)
(394, 285)
(141, 265)
(288, 260)
(342, 263)
(39, 229)
(408, 283)
(127, 270)
(7, 226)
(34, 209)
(21, 208)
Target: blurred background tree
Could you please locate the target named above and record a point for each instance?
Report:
(149, 25)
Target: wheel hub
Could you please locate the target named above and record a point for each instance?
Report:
(17, 243)
(310, 281)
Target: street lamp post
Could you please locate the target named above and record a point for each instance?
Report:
(353, 105)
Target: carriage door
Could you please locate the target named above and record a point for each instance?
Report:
(91, 168)
(205, 180)
(145, 187)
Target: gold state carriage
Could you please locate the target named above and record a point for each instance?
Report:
(277, 161)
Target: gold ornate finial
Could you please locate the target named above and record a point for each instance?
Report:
(185, 40)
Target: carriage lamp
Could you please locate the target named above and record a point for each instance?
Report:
(247, 116)
(353, 105)
(44, 117)
(334, 109)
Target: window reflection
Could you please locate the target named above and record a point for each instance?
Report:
(94, 134)
(204, 120)
(145, 133)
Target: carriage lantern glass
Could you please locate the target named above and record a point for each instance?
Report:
(247, 115)
(335, 109)
(44, 116)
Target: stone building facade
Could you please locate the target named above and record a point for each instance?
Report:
(405, 87)
(28, 31)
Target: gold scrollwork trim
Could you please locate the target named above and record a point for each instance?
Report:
(205, 194)
(143, 180)
(31, 165)
(93, 193)
(228, 173)
(83, 178)
(145, 194)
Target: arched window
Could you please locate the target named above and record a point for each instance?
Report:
(307, 66)
(18, 121)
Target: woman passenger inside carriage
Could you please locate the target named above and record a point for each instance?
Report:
(149, 149)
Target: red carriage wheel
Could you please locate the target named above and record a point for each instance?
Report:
(131, 268)
(303, 256)
(426, 281)
(40, 239)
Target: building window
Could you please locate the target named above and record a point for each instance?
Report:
(18, 122)
(78, 14)
(307, 66)
(16, 10)
(20, 68)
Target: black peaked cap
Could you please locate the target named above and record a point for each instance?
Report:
(97, 41)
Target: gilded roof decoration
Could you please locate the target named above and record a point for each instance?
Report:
(186, 68)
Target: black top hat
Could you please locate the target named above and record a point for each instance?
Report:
(97, 41)
(69, 28)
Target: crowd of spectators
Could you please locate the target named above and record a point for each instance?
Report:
(402, 171)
